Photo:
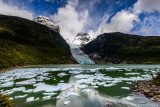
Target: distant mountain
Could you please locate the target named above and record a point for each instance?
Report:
(25, 42)
(81, 39)
(124, 48)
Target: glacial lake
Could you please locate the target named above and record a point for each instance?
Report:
(77, 85)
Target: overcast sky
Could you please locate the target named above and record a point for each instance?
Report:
(95, 17)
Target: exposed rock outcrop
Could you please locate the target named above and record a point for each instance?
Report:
(150, 90)
(45, 21)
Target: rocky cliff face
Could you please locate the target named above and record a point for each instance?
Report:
(45, 21)
(124, 48)
(81, 39)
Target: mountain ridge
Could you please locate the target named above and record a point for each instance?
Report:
(119, 48)
(25, 42)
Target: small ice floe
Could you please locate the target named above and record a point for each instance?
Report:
(19, 89)
(129, 82)
(126, 88)
(62, 81)
(58, 97)
(11, 98)
(21, 96)
(94, 86)
(26, 82)
(8, 84)
(51, 88)
(46, 97)
(28, 91)
(112, 68)
(70, 93)
(8, 92)
(62, 74)
(81, 76)
(82, 86)
(66, 102)
(75, 72)
(129, 98)
(30, 99)
(132, 73)
(49, 94)
(86, 90)
(36, 99)
(109, 85)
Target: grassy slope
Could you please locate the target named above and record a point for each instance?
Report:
(125, 48)
(23, 42)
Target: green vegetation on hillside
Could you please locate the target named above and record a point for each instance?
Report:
(124, 48)
(24, 42)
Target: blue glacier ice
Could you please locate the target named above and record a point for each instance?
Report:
(80, 56)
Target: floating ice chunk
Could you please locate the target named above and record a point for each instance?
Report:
(49, 94)
(36, 99)
(94, 86)
(127, 88)
(66, 102)
(8, 91)
(129, 82)
(8, 84)
(129, 98)
(45, 87)
(21, 96)
(132, 73)
(58, 97)
(64, 86)
(50, 88)
(70, 93)
(100, 83)
(26, 82)
(62, 74)
(81, 76)
(75, 72)
(86, 90)
(82, 86)
(62, 81)
(112, 68)
(28, 91)
(19, 89)
(30, 99)
(109, 85)
(46, 97)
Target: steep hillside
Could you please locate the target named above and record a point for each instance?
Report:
(24, 42)
(124, 48)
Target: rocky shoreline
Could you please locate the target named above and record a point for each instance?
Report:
(150, 90)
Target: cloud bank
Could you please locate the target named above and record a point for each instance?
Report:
(124, 21)
(7, 9)
(70, 20)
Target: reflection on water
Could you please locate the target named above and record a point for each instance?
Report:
(77, 85)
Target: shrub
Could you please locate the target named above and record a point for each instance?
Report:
(5, 100)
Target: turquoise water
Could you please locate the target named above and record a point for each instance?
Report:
(77, 85)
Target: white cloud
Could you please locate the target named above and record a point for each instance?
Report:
(146, 6)
(121, 22)
(70, 20)
(6, 9)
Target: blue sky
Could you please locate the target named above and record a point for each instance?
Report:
(95, 17)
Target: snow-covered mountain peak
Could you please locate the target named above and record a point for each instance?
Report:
(81, 39)
(46, 21)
